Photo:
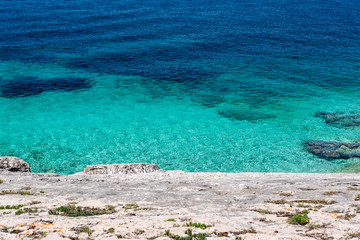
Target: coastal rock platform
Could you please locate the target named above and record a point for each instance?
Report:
(164, 204)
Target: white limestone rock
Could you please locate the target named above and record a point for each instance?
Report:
(121, 168)
(14, 164)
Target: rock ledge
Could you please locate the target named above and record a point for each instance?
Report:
(121, 168)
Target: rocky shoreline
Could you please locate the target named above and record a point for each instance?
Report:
(141, 201)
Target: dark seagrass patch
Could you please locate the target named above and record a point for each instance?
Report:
(29, 86)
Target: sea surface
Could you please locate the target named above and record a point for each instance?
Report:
(227, 86)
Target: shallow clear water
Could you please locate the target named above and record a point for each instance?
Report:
(195, 86)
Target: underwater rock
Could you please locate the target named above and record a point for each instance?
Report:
(28, 86)
(209, 100)
(14, 164)
(121, 168)
(351, 168)
(333, 150)
(156, 64)
(340, 119)
(234, 113)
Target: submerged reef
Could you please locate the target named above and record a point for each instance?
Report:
(333, 150)
(28, 86)
(340, 119)
(241, 113)
(152, 64)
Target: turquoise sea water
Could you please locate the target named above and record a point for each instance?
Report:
(194, 86)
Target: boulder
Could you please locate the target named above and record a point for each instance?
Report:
(333, 150)
(14, 164)
(121, 168)
(340, 119)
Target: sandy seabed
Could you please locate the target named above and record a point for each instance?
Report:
(162, 204)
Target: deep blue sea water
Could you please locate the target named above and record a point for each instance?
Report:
(199, 85)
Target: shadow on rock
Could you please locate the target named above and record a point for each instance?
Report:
(340, 119)
(333, 150)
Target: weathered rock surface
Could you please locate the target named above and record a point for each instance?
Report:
(121, 168)
(14, 164)
(333, 150)
(340, 119)
(148, 205)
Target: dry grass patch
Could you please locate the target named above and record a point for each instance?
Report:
(284, 214)
(316, 201)
(312, 226)
(347, 216)
(285, 194)
(245, 231)
(329, 193)
(308, 189)
(19, 192)
(264, 220)
(262, 211)
(357, 197)
(84, 229)
(354, 235)
(281, 201)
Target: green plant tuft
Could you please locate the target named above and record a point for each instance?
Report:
(133, 206)
(300, 219)
(25, 210)
(11, 207)
(84, 229)
(198, 225)
(87, 230)
(139, 232)
(190, 235)
(74, 211)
